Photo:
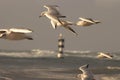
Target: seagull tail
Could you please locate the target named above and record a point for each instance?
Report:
(96, 22)
(29, 38)
(62, 16)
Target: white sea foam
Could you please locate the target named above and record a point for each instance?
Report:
(29, 54)
(34, 53)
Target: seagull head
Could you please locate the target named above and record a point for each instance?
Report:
(42, 14)
(2, 35)
(84, 67)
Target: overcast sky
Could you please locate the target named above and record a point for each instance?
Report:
(101, 37)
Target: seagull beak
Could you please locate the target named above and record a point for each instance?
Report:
(87, 65)
(40, 16)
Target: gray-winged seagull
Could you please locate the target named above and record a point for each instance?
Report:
(15, 34)
(86, 22)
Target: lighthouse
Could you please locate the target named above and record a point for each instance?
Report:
(60, 46)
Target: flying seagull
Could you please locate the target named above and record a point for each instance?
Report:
(52, 9)
(86, 22)
(52, 13)
(15, 34)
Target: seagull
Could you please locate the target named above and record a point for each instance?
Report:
(53, 18)
(52, 9)
(15, 34)
(50, 16)
(86, 73)
(64, 24)
(105, 55)
(86, 22)
(52, 13)
(55, 21)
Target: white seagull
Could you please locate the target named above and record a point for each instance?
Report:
(104, 55)
(52, 13)
(15, 34)
(50, 16)
(52, 9)
(86, 73)
(86, 22)
(64, 24)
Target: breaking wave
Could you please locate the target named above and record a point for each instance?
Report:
(34, 53)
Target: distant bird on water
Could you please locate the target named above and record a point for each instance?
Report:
(86, 73)
(105, 55)
(86, 22)
(15, 34)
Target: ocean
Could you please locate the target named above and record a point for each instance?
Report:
(39, 64)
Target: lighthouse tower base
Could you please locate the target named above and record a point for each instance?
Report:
(60, 55)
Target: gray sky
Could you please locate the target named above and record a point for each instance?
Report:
(100, 37)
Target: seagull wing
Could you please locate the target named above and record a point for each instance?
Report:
(53, 18)
(52, 9)
(70, 23)
(107, 55)
(54, 24)
(20, 30)
(69, 28)
(87, 20)
(3, 31)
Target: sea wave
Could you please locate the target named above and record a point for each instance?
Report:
(34, 53)
(28, 54)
